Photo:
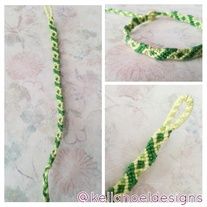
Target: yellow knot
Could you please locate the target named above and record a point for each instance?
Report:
(151, 15)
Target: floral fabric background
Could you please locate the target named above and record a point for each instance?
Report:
(133, 114)
(123, 64)
(31, 108)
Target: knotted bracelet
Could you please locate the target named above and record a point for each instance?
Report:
(59, 99)
(156, 52)
(149, 154)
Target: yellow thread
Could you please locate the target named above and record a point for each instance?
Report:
(169, 123)
(48, 11)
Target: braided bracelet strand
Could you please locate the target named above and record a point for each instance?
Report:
(59, 99)
(156, 52)
(149, 155)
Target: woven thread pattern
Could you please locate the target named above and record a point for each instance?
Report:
(149, 154)
(158, 53)
(59, 99)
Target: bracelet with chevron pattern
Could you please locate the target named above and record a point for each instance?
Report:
(59, 99)
(149, 155)
(156, 52)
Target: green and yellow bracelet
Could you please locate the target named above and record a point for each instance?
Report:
(156, 52)
(149, 154)
(59, 99)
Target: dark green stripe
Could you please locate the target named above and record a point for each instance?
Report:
(55, 49)
(160, 137)
(57, 61)
(127, 28)
(56, 56)
(141, 47)
(57, 72)
(59, 97)
(58, 84)
(52, 27)
(51, 159)
(140, 164)
(60, 127)
(193, 52)
(190, 17)
(174, 15)
(151, 151)
(120, 189)
(135, 21)
(166, 53)
(61, 112)
(57, 142)
(131, 176)
(54, 39)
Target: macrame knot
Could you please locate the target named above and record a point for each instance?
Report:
(152, 15)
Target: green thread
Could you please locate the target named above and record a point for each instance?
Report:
(59, 100)
(149, 154)
(155, 52)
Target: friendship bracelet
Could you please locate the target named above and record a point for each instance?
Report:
(59, 99)
(149, 155)
(156, 52)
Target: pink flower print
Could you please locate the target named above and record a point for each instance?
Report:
(74, 129)
(21, 28)
(134, 67)
(24, 66)
(73, 170)
(134, 93)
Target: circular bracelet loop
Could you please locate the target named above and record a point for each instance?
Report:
(162, 53)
